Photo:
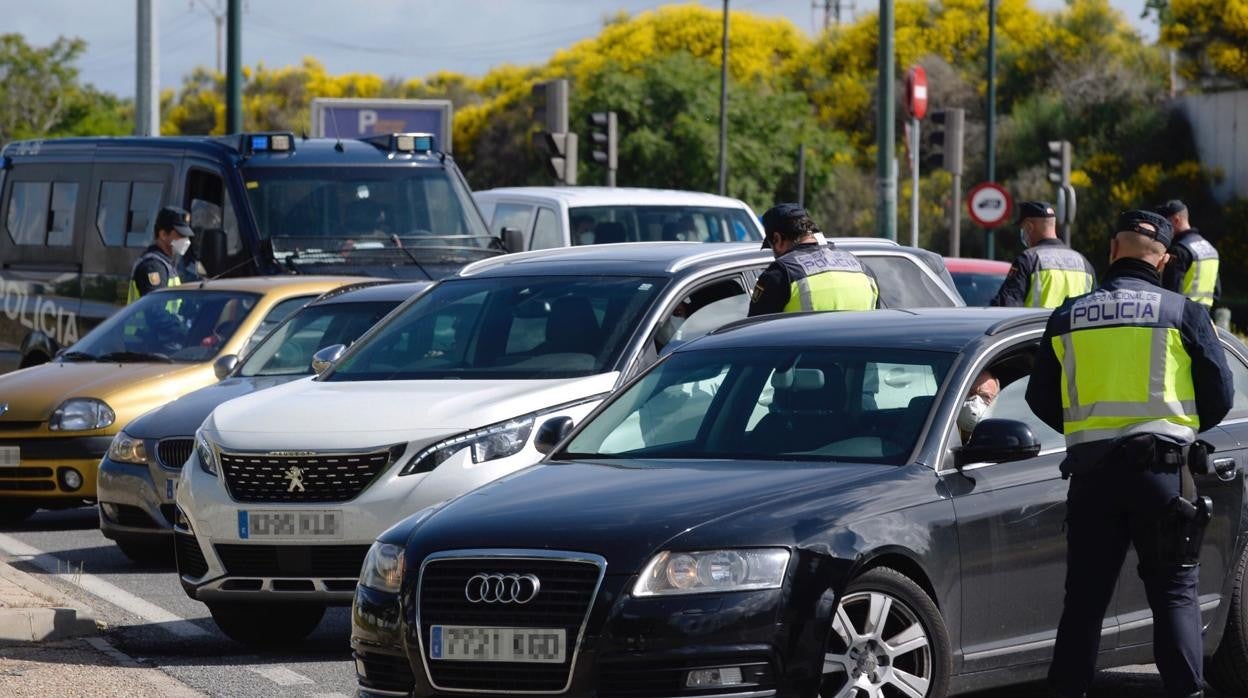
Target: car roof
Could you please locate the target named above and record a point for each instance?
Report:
(373, 292)
(307, 152)
(934, 329)
(616, 196)
(266, 284)
(641, 258)
(973, 265)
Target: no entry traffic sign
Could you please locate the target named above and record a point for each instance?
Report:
(989, 204)
(916, 92)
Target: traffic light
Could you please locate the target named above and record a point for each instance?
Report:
(550, 109)
(1059, 162)
(947, 138)
(603, 141)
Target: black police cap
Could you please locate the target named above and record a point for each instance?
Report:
(1139, 221)
(174, 218)
(788, 220)
(1171, 208)
(1035, 209)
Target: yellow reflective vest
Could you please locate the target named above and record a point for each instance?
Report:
(828, 279)
(1124, 367)
(171, 273)
(1059, 273)
(1202, 276)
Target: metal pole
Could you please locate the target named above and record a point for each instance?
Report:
(801, 174)
(886, 183)
(234, 67)
(914, 182)
(219, 20)
(990, 130)
(955, 230)
(723, 110)
(147, 73)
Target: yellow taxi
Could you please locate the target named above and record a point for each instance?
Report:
(58, 419)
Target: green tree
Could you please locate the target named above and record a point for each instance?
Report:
(1210, 35)
(41, 95)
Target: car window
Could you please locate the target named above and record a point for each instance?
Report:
(977, 289)
(288, 350)
(762, 403)
(173, 324)
(1239, 408)
(275, 316)
(634, 223)
(703, 310)
(511, 216)
(546, 231)
(903, 284)
(1011, 403)
(896, 385)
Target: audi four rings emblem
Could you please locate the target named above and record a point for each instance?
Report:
(502, 588)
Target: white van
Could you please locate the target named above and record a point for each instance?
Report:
(537, 218)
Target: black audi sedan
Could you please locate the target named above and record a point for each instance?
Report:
(784, 507)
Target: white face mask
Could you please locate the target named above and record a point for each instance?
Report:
(1022, 237)
(181, 246)
(972, 411)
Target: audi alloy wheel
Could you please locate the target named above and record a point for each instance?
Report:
(887, 641)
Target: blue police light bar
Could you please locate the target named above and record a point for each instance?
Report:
(268, 143)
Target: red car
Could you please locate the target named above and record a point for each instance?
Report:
(977, 279)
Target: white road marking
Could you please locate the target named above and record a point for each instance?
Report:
(165, 684)
(96, 586)
(329, 695)
(280, 675)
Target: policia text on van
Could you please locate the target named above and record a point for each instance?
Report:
(77, 212)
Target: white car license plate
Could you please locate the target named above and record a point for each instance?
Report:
(10, 456)
(462, 643)
(289, 524)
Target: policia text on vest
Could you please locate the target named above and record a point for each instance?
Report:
(1130, 373)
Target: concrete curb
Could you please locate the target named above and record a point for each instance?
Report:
(64, 618)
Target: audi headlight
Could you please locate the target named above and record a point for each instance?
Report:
(207, 454)
(383, 568)
(487, 443)
(127, 449)
(80, 414)
(670, 572)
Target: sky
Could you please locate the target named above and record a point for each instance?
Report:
(403, 38)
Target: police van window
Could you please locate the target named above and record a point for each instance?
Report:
(209, 205)
(126, 211)
(42, 213)
(903, 284)
(546, 231)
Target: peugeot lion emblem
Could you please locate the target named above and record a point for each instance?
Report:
(502, 588)
(295, 475)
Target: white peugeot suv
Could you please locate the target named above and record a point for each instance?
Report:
(289, 486)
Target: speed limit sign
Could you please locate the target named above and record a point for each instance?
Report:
(989, 204)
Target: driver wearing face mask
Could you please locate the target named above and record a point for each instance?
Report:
(975, 407)
(157, 266)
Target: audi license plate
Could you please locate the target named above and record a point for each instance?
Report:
(289, 524)
(464, 643)
(10, 456)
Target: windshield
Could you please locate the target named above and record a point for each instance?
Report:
(604, 224)
(864, 405)
(976, 288)
(288, 350)
(359, 208)
(505, 328)
(167, 326)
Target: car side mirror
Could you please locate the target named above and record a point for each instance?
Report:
(224, 365)
(513, 239)
(323, 359)
(212, 250)
(997, 441)
(551, 433)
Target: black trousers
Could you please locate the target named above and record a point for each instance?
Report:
(1122, 504)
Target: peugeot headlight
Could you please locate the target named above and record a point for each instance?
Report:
(127, 449)
(670, 572)
(207, 454)
(383, 568)
(487, 443)
(80, 414)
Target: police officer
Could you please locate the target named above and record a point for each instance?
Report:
(1193, 267)
(1131, 373)
(1047, 272)
(156, 267)
(808, 275)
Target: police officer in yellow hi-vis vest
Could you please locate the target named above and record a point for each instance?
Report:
(1193, 267)
(1131, 373)
(808, 274)
(1047, 272)
(156, 268)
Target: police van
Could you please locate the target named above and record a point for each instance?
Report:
(77, 212)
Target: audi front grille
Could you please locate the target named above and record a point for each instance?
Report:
(568, 585)
(317, 477)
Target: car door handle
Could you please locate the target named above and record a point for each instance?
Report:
(1225, 468)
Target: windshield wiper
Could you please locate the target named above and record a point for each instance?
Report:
(77, 356)
(132, 356)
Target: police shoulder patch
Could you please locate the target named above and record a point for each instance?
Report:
(153, 278)
(758, 291)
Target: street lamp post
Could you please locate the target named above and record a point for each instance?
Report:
(885, 170)
(723, 110)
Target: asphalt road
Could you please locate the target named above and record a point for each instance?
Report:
(151, 619)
